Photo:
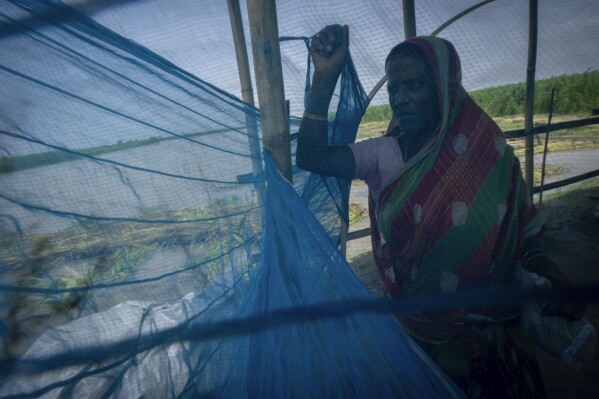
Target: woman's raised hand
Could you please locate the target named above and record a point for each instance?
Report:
(329, 48)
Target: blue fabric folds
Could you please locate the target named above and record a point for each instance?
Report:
(148, 250)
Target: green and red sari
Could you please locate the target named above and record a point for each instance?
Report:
(456, 217)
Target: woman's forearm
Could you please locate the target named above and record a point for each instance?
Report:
(313, 151)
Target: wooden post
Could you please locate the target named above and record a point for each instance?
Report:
(243, 65)
(530, 94)
(409, 18)
(247, 92)
(269, 82)
(545, 148)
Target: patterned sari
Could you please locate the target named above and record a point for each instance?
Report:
(456, 217)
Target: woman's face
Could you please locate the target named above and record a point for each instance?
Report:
(412, 95)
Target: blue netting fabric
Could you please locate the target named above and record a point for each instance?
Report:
(147, 251)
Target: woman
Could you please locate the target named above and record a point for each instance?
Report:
(448, 206)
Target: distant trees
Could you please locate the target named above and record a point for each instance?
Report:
(377, 113)
(575, 94)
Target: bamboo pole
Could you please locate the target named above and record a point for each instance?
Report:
(247, 91)
(530, 94)
(269, 82)
(409, 19)
(243, 65)
(545, 148)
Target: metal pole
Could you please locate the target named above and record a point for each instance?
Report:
(247, 92)
(530, 94)
(409, 19)
(460, 15)
(269, 82)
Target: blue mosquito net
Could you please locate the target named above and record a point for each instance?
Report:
(149, 249)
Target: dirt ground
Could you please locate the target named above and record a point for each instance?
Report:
(573, 239)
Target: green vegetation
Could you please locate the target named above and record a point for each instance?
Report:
(357, 212)
(377, 113)
(575, 95)
(372, 129)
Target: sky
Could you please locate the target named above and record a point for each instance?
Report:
(492, 41)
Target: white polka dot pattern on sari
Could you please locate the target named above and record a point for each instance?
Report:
(459, 213)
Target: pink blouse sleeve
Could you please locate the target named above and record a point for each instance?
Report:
(377, 161)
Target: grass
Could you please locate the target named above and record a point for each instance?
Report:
(357, 212)
(372, 129)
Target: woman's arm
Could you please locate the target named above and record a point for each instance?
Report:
(329, 48)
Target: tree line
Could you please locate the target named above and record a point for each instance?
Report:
(575, 94)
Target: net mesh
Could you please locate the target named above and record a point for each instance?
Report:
(148, 248)
(146, 253)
